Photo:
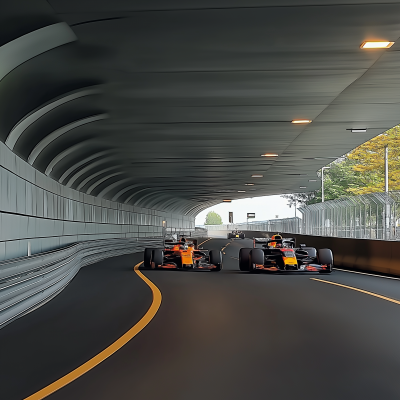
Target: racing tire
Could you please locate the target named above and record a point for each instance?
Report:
(157, 258)
(241, 236)
(148, 253)
(216, 259)
(325, 257)
(256, 256)
(312, 251)
(244, 259)
(229, 235)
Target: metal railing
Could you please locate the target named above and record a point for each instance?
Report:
(194, 233)
(292, 225)
(368, 216)
(28, 282)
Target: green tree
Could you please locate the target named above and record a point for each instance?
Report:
(359, 172)
(212, 218)
(368, 161)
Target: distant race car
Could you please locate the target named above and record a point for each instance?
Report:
(182, 254)
(236, 235)
(279, 254)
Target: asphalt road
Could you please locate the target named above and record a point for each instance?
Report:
(228, 335)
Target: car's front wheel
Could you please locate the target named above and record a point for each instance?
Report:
(256, 258)
(147, 258)
(157, 258)
(244, 259)
(325, 257)
(216, 259)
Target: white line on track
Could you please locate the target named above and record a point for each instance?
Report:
(364, 273)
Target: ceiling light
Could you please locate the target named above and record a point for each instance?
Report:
(249, 184)
(376, 45)
(312, 180)
(301, 121)
(227, 201)
(361, 130)
(303, 187)
(257, 176)
(241, 191)
(269, 155)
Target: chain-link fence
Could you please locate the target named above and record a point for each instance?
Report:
(369, 216)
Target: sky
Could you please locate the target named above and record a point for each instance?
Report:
(266, 207)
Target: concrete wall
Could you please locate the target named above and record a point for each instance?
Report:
(35, 208)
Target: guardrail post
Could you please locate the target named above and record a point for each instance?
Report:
(29, 249)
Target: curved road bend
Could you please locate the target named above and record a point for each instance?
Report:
(227, 335)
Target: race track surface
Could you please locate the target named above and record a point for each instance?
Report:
(225, 336)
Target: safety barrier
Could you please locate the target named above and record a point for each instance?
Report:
(28, 282)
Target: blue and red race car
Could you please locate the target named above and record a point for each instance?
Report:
(280, 255)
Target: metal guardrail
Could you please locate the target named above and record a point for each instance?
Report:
(194, 233)
(292, 225)
(28, 282)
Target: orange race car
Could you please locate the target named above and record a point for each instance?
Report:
(184, 255)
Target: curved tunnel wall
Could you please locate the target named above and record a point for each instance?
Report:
(35, 208)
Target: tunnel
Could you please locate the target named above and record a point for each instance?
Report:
(122, 120)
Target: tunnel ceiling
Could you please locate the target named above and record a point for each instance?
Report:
(170, 105)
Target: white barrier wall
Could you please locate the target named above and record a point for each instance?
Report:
(35, 208)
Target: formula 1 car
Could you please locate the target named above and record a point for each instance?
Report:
(183, 255)
(280, 255)
(236, 235)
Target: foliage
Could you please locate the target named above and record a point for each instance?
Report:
(359, 172)
(368, 161)
(299, 199)
(212, 218)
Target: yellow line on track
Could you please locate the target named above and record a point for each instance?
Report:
(358, 290)
(225, 247)
(110, 350)
(204, 241)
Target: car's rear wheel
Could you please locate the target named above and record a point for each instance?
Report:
(244, 259)
(229, 235)
(147, 258)
(241, 236)
(325, 257)
(256, 257)
(157, 258)
(216, 259)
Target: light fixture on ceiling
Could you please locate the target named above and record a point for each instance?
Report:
(303, 187)
(269, 155)
(358, 130)
(249, 184)
(227, 201)
(301, 121)
(312, 180)
(241, 191)
(257, 176)
(376, 45)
